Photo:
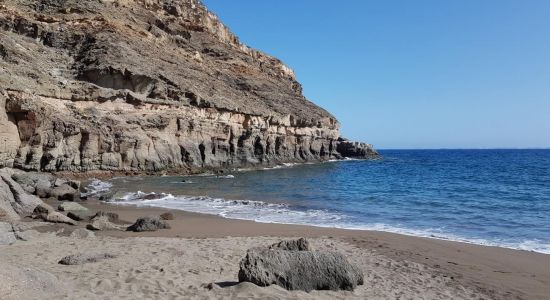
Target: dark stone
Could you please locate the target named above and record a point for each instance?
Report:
(299, 270)
(149, 224)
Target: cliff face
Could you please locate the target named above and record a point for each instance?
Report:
(148, 85)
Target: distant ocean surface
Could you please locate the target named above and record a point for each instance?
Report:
(489, 197)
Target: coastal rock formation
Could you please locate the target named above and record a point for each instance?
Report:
(103, 223)
(15, 202)
(148, 86)
(149, 224)
(299, 270)
(48, 214)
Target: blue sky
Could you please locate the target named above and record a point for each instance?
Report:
(413, 74)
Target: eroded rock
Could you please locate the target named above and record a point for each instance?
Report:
(299, 270)
(103, 223)
(48, 214)
(71, 206)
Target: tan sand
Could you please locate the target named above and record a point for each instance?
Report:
(182, 262)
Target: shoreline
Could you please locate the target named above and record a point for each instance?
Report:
(494, 271)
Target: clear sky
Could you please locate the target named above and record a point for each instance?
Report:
(413, 74)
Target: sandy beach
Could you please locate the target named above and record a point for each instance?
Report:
(198, 258)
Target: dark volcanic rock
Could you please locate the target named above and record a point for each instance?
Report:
(81, 259)
(149, 224)
(292, 245)
(147, 86)
(299, 270)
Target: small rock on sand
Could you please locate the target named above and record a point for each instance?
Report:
(47, 213)
(80, 259)
(149, 224)
(103, 223)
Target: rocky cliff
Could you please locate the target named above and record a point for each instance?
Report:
(147, 86)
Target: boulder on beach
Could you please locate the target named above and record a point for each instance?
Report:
(48, 214)
(299, 270)
(15, 202)
(71, 206)
(82, 233)
(149, 224)
(65, 192)
(80, 259)
(103, 223)
(33, 182)
(300, 244)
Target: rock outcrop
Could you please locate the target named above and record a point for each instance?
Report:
(299, 270)
(147, 86)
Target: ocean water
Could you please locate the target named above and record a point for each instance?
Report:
(489, 197)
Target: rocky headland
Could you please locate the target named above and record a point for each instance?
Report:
(148, 86)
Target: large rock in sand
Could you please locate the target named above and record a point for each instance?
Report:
(48, 214)
(149, 224)
(66, 192)
(299, 270)
(14, 200)
(33, 182)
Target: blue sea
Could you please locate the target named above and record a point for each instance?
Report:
(489, 197)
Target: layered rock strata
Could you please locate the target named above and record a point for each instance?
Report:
(148, 86)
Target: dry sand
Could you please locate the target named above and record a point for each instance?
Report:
(198, 259)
